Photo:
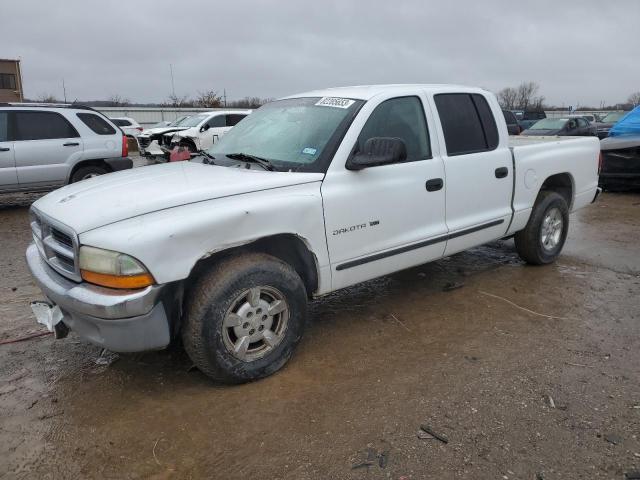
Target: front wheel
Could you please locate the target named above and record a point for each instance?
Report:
(542, 239)
(244, 318)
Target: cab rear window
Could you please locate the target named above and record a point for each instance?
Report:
(96, 123)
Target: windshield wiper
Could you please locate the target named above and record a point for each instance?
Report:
(245, 157)
(208, 156)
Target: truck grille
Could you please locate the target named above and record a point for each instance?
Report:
(57, 244)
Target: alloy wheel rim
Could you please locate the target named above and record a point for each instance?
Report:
(551, 231)
(255, 323)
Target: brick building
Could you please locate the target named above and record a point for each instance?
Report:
(10, 81)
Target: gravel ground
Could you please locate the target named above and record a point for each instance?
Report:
(529, 372)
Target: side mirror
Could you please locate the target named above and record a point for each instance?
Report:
(378, 151)
(205, 127)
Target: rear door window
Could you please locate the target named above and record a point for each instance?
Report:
(96, 123)
(42, 126)
(402, 118)
(4, 126)
(467, 123)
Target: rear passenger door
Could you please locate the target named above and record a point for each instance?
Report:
(8, 176)
(46, 144)
(478, 166)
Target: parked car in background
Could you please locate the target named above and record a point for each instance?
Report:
(530, 117)
(569, 127)
(129, 126)
(590, 117)
(150, 139)
(620, 164)
(46, 146)
(590, 128)
(513, 126)
(204, 129)
(302, 198)
(608, 121)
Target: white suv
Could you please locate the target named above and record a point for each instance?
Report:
(128, 125)
(204, 129)
(47, 146)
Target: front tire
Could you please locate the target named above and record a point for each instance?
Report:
(541, 241)
(244, 318)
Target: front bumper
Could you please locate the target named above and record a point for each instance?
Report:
(118, 320)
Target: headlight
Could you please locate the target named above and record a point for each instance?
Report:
(112, 269)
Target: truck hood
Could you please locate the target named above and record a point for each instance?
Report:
(188, 132)
(118, 196)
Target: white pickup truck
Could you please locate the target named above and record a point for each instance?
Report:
(308, 195)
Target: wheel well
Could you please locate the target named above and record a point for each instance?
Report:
(188, 142)
(89, 163)
(289, 248)
(561, 183)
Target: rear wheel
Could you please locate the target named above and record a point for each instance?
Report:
(244, 318)
(89, 171)
(542, 239)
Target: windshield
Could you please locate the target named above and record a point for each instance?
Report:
(292, 134)
(612, 117)
(194, 121)
(159, 125)
(549, 124)
(178, 121)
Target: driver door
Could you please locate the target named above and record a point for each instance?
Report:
(212, 131)
(389, 217)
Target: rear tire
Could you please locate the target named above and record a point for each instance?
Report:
(244, 318)
(541, 241)
(88, 172)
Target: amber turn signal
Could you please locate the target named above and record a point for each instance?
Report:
(118, 281)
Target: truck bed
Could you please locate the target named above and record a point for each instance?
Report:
(572, 160)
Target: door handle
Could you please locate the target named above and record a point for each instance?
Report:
(502, 172)
(434, 184)
(4, 149)
(70, 144)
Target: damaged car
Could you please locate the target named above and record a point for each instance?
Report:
(620, 163)
(149, 139)
(204, 130)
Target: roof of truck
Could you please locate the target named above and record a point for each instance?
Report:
(367, 92)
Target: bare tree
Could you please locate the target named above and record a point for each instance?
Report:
(522, 97)
(47, 98)
(250, 102)
(209, 99)
(178, 101)
(526, 94)
(634, 99)
(118, 101)
(507, 98)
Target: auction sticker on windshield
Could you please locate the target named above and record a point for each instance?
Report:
(335, 102)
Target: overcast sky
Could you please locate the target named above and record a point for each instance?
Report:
(580, 51)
